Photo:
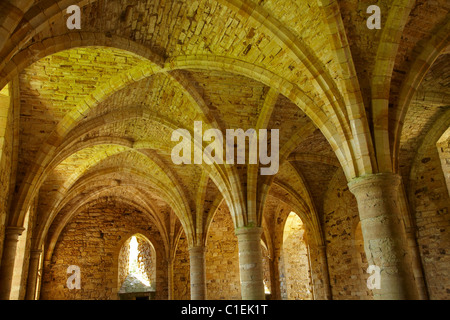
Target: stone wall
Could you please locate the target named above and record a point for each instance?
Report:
(318, 275)
(222, 258)
(444, 155)
(92, 240)
(340, 222)
(124, 260)
(430, 203)
(181, 271)
(147, 260)
(222, 262)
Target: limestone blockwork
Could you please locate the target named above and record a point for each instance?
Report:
(94, 241)
(359, 136)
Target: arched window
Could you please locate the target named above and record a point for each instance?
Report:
(266, 267)
(443, 146)
(137, 268)
(295, 279)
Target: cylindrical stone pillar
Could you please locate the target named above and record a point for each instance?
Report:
(384, 235)
(250, 263)
(32, 274)
(198, 273)
(8, 259)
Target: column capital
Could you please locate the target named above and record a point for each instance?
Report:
(197, 249)
(13, 233)
(248, 231)
(377, 180)
(35, 253)
(377, 195)
(14, 230)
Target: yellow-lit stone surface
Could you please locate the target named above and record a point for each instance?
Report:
(87, 116)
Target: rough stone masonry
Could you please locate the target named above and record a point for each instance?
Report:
(91, 92)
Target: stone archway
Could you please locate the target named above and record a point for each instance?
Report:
(137, 269)
(295, 277)
(443, 146)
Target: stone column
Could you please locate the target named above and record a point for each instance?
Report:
(32, 274)
(250, 263)
(384, 234)
(198, 273)
(9, 256)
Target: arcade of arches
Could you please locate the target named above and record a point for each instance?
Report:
(87, 179)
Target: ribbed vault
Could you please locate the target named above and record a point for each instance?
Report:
(96, 107)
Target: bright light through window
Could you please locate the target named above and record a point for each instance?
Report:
(266, 288)
(135, 267)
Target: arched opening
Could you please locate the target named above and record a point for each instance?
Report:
(266, 269)
(443, 146)
(5, 110)
(295, 275)
(137, 269)
(429, 198)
